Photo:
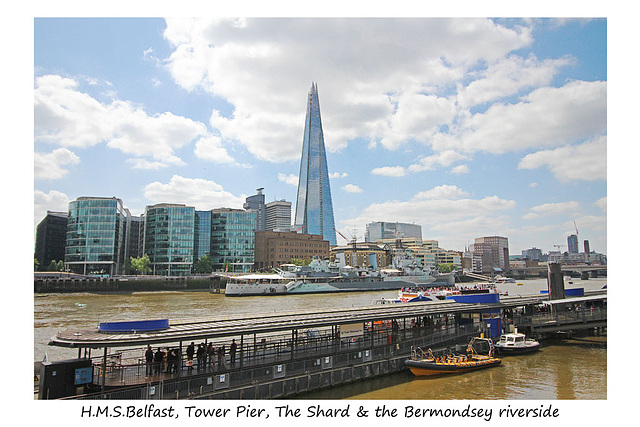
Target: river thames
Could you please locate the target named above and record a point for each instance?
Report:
(575, 369)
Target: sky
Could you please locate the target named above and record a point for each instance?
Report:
(469, 127)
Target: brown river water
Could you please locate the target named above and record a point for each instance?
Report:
(570, 370)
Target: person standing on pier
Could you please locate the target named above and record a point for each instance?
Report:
(201, 355)
(211, 355)
(190, 351)
(148, 357)
(232, 351)
(157, 361)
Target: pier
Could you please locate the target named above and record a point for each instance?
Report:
(288, 354)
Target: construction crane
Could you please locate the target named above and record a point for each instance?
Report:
(574, 224)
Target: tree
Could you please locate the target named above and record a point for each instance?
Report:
(141, 264)
(204, 264)
(55, 265)
(301, 261)
(446, 268)
(36, 264)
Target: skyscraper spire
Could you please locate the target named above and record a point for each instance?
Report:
(314, 209)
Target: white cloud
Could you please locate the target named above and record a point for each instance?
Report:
(508, 76)
(145, 164)
(445, 192)
(586, 161)
(379, 79)
(394, 171)
(602, 203)
(67, 117)
(338, 175)
(210, 148)
(290, 179)
(49, 165)
(55, 201)
(444, 158)
(546, 117)
(351, 188)
(548, 209)
(200, 193)
(460, 170)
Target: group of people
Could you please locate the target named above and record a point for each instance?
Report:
(169, 360)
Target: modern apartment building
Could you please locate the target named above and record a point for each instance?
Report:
(96, 236)
(51, 237)
(233, 239)
(169, 238)
(278, 216)
(314, 208)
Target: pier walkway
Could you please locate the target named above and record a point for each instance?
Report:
(280, 354)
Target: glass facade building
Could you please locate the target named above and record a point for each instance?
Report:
(256, 204)
(202, 236)
(392, 230)
(233, 239)
(169, 239)
(314, 209)
(96, 234)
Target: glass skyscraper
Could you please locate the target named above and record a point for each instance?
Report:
(314, 209)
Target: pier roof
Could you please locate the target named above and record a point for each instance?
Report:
(264, 323)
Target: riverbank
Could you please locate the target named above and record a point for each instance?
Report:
(127, 284)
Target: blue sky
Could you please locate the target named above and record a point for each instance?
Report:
(469, 127)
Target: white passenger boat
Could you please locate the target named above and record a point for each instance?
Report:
(516, 343)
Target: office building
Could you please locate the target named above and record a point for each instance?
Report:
(96, 236)
(391, 230)
(490, 255)
(51, 237)
(169, 239)
(233, 239)
(278, 216)
(314, 208)
(256, 204)
(533, 254)
(135, 236)
(572, 244)
(274, 248)
(202, 235)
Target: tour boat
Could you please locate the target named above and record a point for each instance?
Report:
(436, 293)
(427, 364)
(516, 343)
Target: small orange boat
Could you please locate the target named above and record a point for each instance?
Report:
(426, 364)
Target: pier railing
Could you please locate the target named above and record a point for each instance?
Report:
(280, 356)
(558, 318)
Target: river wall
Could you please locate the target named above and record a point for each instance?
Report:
(130, 284)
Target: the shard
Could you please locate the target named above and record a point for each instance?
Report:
(314, 209)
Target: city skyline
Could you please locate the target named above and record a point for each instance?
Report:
(468, 127)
